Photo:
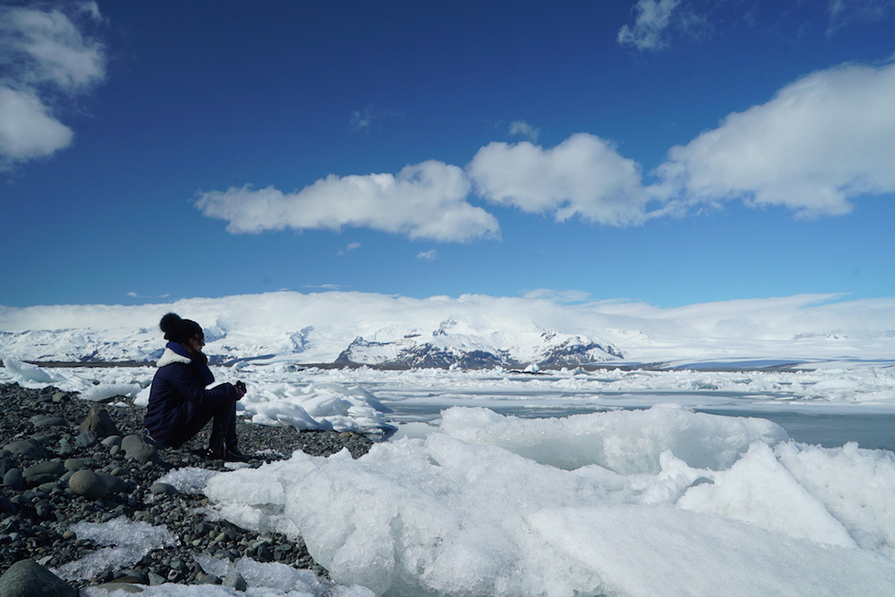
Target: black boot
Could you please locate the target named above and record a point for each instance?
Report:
(233, 454)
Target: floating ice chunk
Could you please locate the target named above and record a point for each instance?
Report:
(105, 391)
(623, 441)
(27, 373)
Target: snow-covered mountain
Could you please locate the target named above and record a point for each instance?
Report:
(453, 344)
(331, 328)
(466, 331)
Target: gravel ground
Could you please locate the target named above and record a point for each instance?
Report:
(43, 447)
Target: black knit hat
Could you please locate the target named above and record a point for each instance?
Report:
(179, 330)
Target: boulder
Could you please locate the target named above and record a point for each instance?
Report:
(27, 578)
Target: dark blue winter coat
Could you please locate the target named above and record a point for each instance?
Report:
(178, 393)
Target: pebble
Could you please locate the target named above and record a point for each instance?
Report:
(75, 473)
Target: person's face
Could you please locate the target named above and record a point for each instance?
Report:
(197, 342)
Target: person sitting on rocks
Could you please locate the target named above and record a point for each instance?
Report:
(179, 403)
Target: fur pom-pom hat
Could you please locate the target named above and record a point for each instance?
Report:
(179, 330)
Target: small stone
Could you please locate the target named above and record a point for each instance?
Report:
(162, 489)
(113, 483)
(86, 439)
(25, 447)
(13, 478)
(47, 421)
(88, 484)
(48, 467)
(112, 440)
(235, 581)
(134, 447)
(99, 421)
(76, 464)
(27, 578)
(155, 579)
(207, 579)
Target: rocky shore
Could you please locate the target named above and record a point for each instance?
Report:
(64, 460)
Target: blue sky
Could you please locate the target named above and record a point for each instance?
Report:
(669, 151)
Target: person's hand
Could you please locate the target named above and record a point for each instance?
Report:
(240, 390)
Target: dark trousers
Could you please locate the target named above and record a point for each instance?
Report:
(191, 419)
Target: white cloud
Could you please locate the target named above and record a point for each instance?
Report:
(523, 129)
(43, 51)
(819, 142)
(650, 25)
(430, 255)
(426, 200)
(584, 175)
(350, 247)
(27, 130)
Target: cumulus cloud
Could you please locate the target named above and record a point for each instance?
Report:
(45, 58)
(427, 200)
(650, 29)
(819, 142)
(813, 148)
(584, 176)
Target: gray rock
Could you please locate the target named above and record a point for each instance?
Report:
(98, 420)
(25, 447)
(162, 489)
(47, 467)
(76, 464)
(134, 447)
(235, 581)
(112, 440)
(87, 484)
(27, 578)
(13, 478)
(113, 483)
(6, 464)
(119, 585)
(47, 421)
(155, 579)
(86, 439)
